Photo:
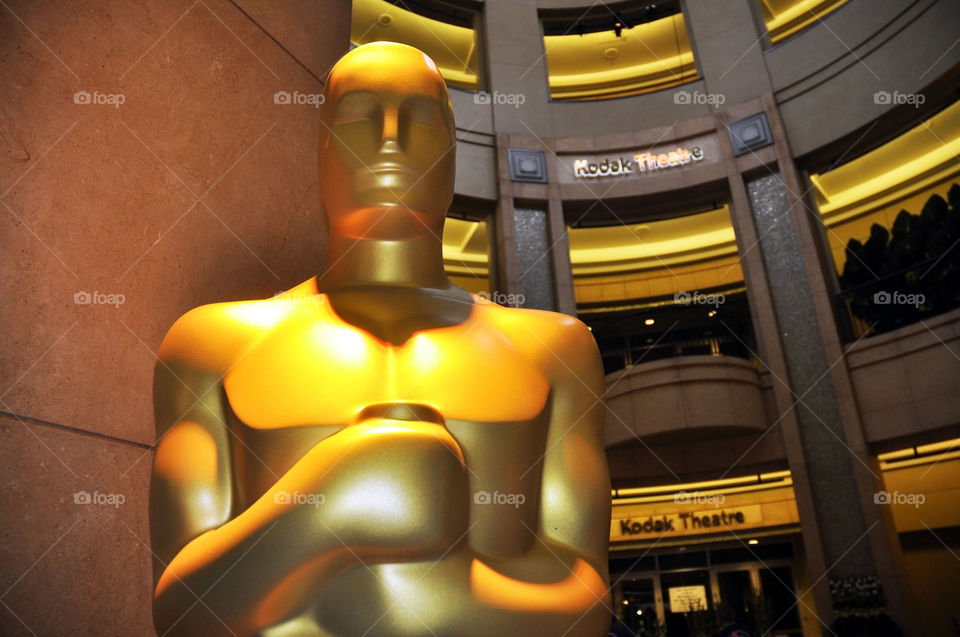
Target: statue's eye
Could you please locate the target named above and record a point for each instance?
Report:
(424, 111)
(349, 118)
(357, 107)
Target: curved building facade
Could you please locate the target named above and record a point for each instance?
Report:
(698, 182)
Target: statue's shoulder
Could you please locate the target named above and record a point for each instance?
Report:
(559, 335)
(215, 335)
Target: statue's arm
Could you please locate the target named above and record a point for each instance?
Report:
(564, 574)
(197, 534)
(575, 490)
(191, 480)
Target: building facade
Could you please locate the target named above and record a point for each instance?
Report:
(698, 182)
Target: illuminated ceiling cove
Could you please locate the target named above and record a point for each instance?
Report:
(452, 47)
(607, 249)
(920, 158)
(466, 247)
(784, 18)
(654, 244)
(648, 57)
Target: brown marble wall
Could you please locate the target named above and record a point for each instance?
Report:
(145, 168)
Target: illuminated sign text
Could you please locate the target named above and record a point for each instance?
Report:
(641, 163)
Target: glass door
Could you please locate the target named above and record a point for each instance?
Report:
(687, 604)
(639, 606)
(782, 614)
(737, 595)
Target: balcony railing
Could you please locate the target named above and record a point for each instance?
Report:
(711, 322)
(725, 339)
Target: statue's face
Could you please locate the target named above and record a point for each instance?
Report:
(386, 144)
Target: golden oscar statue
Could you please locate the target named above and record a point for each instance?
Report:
(377, 451)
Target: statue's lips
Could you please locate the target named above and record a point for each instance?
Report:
(394, 179)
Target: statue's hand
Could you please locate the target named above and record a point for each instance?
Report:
(375, 492)
(388, 490)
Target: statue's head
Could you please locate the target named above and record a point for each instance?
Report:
(386, 144)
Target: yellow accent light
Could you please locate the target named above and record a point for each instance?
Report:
(945, 445)
(670, 497)
(896, 455)
(703, 485)
(932, 453)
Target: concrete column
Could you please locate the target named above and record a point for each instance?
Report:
(728, 47)
(835, 477)
(819, 269)
(516, 65)
(560, 255)
(505, 277)
(771, 354)
(534, 259)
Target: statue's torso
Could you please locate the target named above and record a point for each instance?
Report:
(309, 375)
(294, 373)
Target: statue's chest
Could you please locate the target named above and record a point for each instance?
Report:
(322, 374)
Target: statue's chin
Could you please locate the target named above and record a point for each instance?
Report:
(387, 220)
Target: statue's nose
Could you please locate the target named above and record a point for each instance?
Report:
(389, 146)
(389, 141)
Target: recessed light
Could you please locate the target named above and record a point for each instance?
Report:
(712, 313)
(649, 322)
(753, 541)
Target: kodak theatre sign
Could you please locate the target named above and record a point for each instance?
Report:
(640, 163)
(646, 523)
(721, 520)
